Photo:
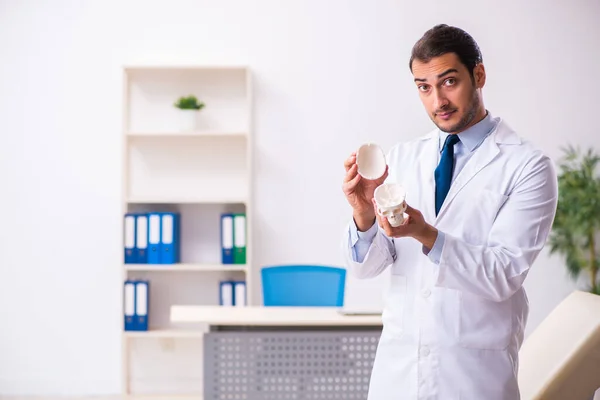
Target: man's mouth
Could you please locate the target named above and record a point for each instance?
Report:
(445, 114)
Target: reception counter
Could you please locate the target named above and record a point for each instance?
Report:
(262, 353)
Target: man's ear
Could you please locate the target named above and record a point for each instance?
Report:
(479, 76)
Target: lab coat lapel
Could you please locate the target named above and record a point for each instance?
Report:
(482, 157)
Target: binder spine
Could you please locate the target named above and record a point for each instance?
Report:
(240, 293)
(154, 238)
(129, 305)
(129, 247)
(227, 256)
(226, 293)
(239, 235)
(141, 240)
(170, 244)
(142, 292)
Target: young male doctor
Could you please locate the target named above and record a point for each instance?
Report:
(481, 202)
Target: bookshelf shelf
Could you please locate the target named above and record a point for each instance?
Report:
(199, 172)
(184, 134)
(186, 267)
(165, 68)
(164, 333)
(186, 200)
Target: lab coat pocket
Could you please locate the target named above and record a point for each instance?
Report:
(393, 314)
(484, 324)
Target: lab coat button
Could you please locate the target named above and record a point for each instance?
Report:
(424, 351)
(426, 293)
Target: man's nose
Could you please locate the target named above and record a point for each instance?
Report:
(440, 101)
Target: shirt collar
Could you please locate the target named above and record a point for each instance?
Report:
(474, 136)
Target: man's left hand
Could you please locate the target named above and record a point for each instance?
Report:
(414, 226)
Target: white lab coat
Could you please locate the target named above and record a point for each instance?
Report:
(453, 331)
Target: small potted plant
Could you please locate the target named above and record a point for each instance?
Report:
(188, 107)
(576, 228)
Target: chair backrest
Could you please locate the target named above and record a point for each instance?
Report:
(560, 360)
(303, 285)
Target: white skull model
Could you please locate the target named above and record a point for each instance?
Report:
(390, 199)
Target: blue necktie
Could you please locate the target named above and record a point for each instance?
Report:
(443, 172)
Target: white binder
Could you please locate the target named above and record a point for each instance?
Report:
(129, 305)
(240, 294)
(141, 305)
(154, 238)
(226, 293)
(141, 238)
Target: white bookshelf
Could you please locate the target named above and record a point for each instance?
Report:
(200, 173)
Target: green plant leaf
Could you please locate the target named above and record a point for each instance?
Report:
(189, 103)
(578, 211)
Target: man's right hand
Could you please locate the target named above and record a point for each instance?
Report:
(359, 193)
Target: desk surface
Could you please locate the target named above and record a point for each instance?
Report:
(270, 316)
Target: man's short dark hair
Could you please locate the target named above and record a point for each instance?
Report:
(443, 39)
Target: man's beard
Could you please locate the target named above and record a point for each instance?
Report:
(467, 118)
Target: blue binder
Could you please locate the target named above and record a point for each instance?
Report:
(136, 304)
(154, 238)
(142, 292)
(226, 295)
(141, 239)
(169, 238)
(129, 305)
(239, 293)
(227, 239)
(130, 252)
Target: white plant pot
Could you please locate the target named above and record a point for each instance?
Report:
(187, 120)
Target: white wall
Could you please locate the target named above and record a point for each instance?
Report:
(329, 76)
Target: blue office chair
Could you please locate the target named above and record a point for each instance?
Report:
(303, 285)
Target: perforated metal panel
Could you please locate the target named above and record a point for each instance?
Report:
(289, 365)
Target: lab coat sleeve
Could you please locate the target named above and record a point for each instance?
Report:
(368, 253)
(496, 270)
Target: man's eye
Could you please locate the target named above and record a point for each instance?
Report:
(423, 88)
(450, 81)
